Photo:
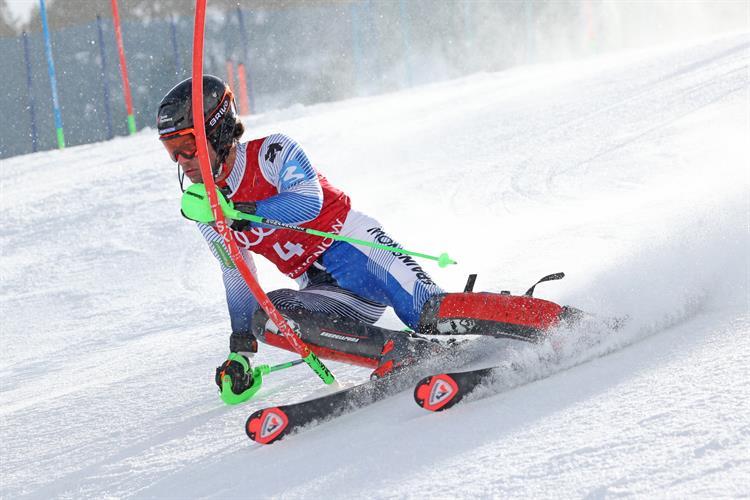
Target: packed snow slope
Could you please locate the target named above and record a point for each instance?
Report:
(628, 172)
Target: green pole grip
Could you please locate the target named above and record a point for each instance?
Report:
(259, 371)
(319, 368)
(226, 393)
(131, 124)
(60, 138)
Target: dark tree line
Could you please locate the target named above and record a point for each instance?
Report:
(66, 13)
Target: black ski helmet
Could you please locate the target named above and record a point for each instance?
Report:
(222, 127)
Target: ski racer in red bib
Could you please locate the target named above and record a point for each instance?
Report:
(343, 288)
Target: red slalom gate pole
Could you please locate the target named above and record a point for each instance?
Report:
(220, 223)
(123, 68)
(230, 75)
(244, 101)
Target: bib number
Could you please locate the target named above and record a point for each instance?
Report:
(290, 250)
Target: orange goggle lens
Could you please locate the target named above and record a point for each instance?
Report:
(181, 145)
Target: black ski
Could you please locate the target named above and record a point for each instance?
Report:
(268, 425)
(440, 392)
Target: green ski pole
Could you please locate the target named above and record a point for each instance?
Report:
(268, 369)
(259, 371)
(195, 207)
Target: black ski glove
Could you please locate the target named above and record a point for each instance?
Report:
(245, 208)
(239, 370)
(242, 347)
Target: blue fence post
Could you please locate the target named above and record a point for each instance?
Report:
(32, 105)
(406, 35)
(52, 78)
(175, 47)
(246, 57)
(105, 80)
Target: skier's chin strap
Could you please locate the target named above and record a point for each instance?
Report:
(219, 176)
(181, 178)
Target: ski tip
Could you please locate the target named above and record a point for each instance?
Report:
(436, 393)
(267, 425)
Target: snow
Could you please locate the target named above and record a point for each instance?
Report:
(629, 172)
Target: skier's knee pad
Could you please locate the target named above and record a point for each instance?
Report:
(329, 336)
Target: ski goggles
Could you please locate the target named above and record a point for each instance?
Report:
(181, 143)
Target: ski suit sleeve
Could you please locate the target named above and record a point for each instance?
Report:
(240, 300)
(284, 165)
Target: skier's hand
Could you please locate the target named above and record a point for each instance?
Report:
(240, 225)
(245, 208)
(238, 369)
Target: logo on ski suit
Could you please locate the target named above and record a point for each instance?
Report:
(252, 237)
(381, 237)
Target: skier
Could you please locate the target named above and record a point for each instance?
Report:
(343, 289)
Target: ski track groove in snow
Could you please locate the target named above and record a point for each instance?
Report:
(629, 172)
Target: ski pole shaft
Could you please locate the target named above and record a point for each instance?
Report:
(194, 207)
(266, 369)
(442, 259)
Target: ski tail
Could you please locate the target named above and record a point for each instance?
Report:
(437, 392)
(440, 392)
(267, 425)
